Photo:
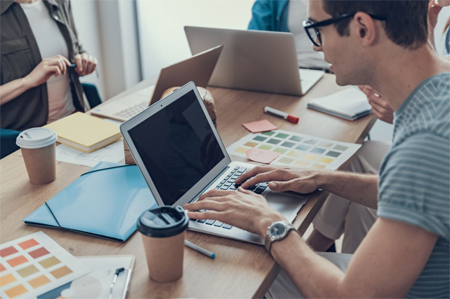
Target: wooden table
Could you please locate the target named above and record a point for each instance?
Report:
(240, 270)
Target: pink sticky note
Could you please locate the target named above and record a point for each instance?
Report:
(260, 126)
(261, 156)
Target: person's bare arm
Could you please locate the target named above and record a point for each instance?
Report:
(48, 67)
(12, 90)
(386, 264)
(360, 188)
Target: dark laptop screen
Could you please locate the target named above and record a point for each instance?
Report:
(177, 147)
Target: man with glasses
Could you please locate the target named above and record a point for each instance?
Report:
(406, 252)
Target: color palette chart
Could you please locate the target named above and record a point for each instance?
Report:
(35, 264)
(297, 150)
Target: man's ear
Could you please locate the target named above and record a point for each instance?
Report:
(364, 28)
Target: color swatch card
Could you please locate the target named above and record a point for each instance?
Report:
(97, 284)
(35, 264)
(297, 150)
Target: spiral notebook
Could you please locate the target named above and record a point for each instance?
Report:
(350, 104)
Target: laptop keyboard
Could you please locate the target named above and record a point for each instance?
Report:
(131, 111)
(228, 184)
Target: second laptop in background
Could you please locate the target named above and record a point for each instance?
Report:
(254, 60)
(197, 68)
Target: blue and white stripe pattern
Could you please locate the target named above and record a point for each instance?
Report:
(415, 178)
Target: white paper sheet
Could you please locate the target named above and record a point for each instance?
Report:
(111, 153)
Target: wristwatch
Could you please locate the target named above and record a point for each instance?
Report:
(277, 231)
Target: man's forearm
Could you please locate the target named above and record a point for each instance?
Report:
(359, 188)
(313, 275)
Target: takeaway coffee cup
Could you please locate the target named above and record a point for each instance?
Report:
(38, 151)
(163, 231)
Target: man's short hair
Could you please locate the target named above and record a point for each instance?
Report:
(406, 20)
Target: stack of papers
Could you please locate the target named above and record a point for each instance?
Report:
(350, 104)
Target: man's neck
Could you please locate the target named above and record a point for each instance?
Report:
(404, 70)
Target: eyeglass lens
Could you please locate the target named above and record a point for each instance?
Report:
(314, 35)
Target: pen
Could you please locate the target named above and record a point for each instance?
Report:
(118, 271)
(199, 249)
(281, 114)
(73, 65)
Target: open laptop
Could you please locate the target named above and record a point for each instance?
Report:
(197, 68)
(254, 60)
(181, 156)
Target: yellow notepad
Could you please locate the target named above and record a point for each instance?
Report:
(85, 132)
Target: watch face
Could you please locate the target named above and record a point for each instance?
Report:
(277, 229)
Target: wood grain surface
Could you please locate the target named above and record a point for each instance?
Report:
(240, 270)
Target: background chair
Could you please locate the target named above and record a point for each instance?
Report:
(8, 137)
(92, 95)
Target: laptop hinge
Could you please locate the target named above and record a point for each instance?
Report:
(209, 185)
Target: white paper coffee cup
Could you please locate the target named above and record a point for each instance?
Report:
(38, 150)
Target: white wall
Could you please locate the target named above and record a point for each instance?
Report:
(161, 22)
(108, 31)
(86, 22)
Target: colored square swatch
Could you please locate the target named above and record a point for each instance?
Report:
(38, 252)
(295, 138)
(301, 164)
(63, 271)
(274, 141)
(280, 150)
(17, 261)
(268, 133)
(16, 291)
(39, 281)
(310, 141)
(281, 135)
(241, 150)
(310, 157)
(288, 144)
(333, 154)
(326, 144)
(317, 150)
(7, 279)
(318, 166)
(286, 160)
(303, 147)
(251, 144)
(2, 268)
(266, 147)
(294, 154)
(260, 138)
(325, 160)
(260, 126)
(28, 244)
(51, 261)
(340, 147)
(27, 271)
(7, 251)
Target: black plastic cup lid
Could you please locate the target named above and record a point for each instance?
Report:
(162, 222)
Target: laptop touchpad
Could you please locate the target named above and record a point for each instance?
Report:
(287, 205)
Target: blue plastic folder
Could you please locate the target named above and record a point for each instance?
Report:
(104, 202)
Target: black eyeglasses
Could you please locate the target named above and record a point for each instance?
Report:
(314, 33)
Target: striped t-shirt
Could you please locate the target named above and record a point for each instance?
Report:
(414, 182)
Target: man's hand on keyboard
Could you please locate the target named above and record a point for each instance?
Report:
(282, 179)
(242, 208)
